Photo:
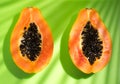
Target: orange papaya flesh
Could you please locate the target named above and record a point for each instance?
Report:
(90, 44)
(31, 43)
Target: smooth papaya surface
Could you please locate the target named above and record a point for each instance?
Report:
(90, 44)
(31, 41)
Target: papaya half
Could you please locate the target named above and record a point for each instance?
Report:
(31, 42)
(89, 44)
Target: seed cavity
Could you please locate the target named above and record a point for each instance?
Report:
(91, 44)
(30, 45)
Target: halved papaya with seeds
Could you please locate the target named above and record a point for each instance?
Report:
(90, 44)
(31, 42)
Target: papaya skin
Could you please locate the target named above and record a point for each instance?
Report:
(27, 16)
(75, 48)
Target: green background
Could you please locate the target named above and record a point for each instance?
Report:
(60, 15)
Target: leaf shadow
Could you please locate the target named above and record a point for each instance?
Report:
(6, 3)
(8, 57)
(65, 59)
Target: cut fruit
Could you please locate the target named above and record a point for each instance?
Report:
(31, 41)
(90, 44)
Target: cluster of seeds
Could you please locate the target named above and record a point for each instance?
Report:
(31, 43)
(91, 44)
